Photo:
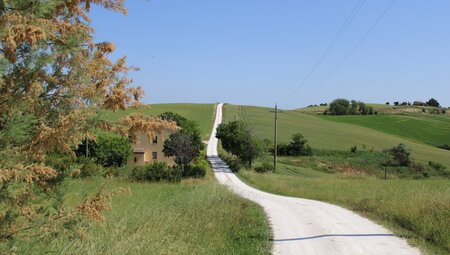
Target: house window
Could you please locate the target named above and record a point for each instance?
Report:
(155, 139)
(135, 159)
(155, 155)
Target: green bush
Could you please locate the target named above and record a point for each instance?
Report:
(108, 150)
(139, 173)
(297, 147)
(233, 163)
(90, 169)
(196, 169)
(156, 171)
(354, 149)
(400, 155)
(173, 174)
(264, 168)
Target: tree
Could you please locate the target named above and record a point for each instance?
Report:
(53, 81)
(108, 149)
(433, 102)
(400, 155)
(339, 107)
(187, 127)
(182, 147)
(396, 103)
(387, 103)
(237, 139)
(354, 107)
(298, 146)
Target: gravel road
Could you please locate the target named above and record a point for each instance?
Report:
(302, 226)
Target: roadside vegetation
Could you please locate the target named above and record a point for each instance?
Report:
(195, 215)
(417, 210)
(390, 184)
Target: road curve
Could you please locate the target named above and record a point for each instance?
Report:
(302, 226)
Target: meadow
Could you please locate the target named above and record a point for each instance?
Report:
(203, 114)
(429, 129)
(330, 135)
(196, 216)
(417, 210)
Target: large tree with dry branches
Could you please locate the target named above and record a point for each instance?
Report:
(53, 80)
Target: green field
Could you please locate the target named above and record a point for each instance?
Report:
(191, 217)
(329, 135)
(198, 217)
(203, 114)
(416, 210)
(429, 129)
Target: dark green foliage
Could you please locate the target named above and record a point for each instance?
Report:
(112, 150)
(182, 147)
(16, 128)
(354, 149)
(156, 171)
(91, 168)
(237, 139)
(264, 168)
(339, 107)
(433, 102)
(196, 169)
(187, 127)
(297, 147)
(233, 163)
(445, 146)
(108, 150)
(344, 107)
(400, 155)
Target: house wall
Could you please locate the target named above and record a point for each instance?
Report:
(149, 148)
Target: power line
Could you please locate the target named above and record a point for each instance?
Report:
(331, 45)
(328, 76)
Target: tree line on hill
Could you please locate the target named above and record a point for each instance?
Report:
(342, 106)
(432, 103)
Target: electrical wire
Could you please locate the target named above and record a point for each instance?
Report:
(352, 50)
(331, 45)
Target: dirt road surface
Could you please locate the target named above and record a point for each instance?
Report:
(302, 226)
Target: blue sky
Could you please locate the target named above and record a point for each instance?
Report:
(257, 52)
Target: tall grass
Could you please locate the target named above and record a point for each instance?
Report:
(194, 217)
(416, 209)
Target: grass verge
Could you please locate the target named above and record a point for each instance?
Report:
(194, 217)
(418, 210)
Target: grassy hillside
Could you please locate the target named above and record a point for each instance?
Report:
(203, 114)
(429, 129)
(324, 134)
(194, 217)
(380, 108)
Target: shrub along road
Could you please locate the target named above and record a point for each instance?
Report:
(302, 226)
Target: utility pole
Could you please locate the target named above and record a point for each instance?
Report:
(275, 143)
